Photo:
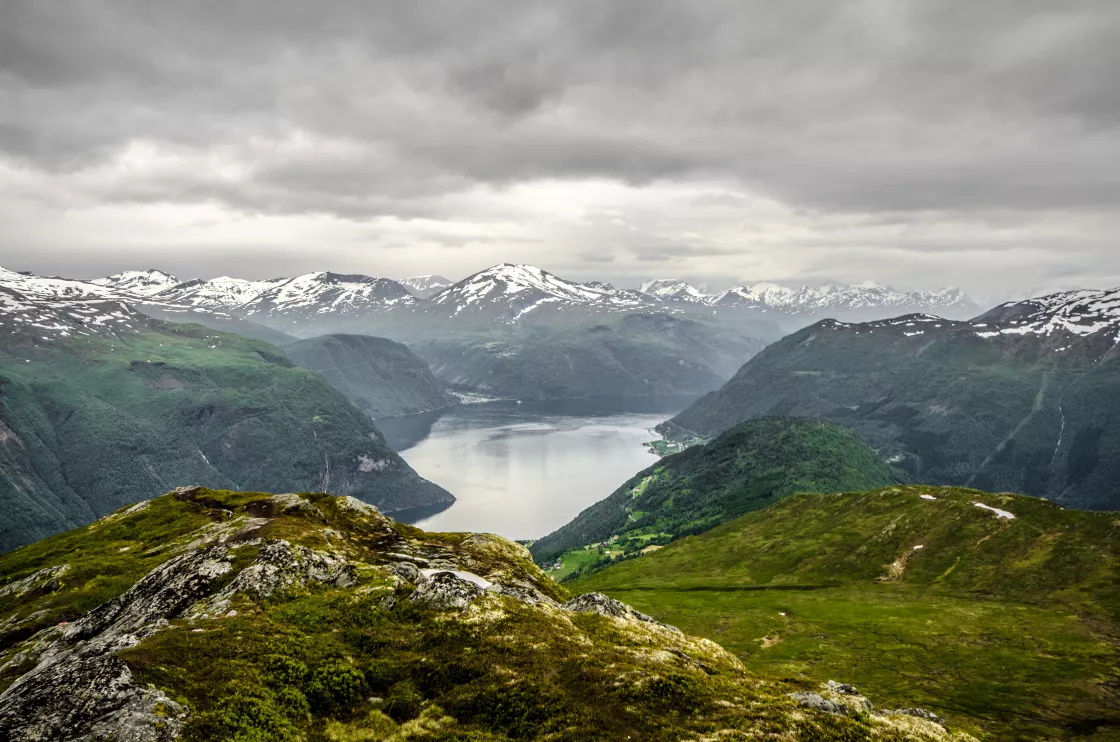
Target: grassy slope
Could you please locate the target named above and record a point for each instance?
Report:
(301, 664)
(93, 423)
(1011, 626)
(382, 377)
(744, 469)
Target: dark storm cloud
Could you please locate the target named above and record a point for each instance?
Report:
(860, 105)
(920, 127)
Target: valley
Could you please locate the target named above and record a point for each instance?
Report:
(954, 604)
(521, 470)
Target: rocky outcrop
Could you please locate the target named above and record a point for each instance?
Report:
(445, 591)
(843, 699)
(80, 689)
(604, 606)
(45, 579)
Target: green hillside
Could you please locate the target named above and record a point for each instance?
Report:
(1010, 626)
(214, 615)
(93, 418)
(744, 469)
(1029, 413)
(382, 377)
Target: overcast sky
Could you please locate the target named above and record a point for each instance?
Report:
(973, 143)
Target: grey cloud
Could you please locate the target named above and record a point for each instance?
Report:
(892, 112)
(862, 105)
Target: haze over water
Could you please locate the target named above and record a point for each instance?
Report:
(524, 470)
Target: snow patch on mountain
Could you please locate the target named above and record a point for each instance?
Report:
(512, 291)
(1083, 313)
(138, 283)
(425, 286)
(43, 318)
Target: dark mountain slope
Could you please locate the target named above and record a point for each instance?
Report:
(1022, 405)
(631, 355)
(101, 407)
(383, 378)
(744, 469)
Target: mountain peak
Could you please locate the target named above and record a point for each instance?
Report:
(140, 282)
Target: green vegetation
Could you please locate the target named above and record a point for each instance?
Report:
(1009, 627)
(579, 560)
(383, 378)
(663, 447)
(315, 660)
(746, 468)
(89, 423)
(1024, 413)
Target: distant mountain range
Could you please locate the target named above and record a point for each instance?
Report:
(317, 303)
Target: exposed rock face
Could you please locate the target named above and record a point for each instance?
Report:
(820, 703)
(918, 713)
(445, 591)
(524, 592)
(80, 689)
(604, 606)
(43, 579)
(843, 699)
(280, 565)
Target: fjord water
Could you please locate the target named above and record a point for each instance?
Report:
(522, 470)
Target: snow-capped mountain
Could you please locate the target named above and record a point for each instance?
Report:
(27, 319)
(811, 301)
(671, 289)
(44, 287)
(1084, 313)
(138, 283)
(327, 293)
(425, 286)
(221, 294)
(323, 302)
(511, 292)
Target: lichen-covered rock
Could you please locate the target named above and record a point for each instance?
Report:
(817, 702)
(522, 591)
(918, 713)
(80, 689)
(163, 592)
(291, 504)
(87, 696)
(45, 579)
(605, 606)
(278, 566)
(444, 591)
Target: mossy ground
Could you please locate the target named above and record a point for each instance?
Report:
(1006, 627)
(362, 662)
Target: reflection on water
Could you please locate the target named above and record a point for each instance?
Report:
(523, 470)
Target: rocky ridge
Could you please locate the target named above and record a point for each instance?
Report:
(256, 616)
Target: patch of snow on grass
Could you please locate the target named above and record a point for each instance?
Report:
(928, 497)
(997, 511)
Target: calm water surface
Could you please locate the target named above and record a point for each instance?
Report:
(524, 470)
